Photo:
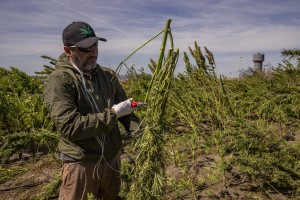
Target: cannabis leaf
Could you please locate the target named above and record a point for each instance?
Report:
(86, 31)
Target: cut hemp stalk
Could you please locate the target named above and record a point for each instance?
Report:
(149, 172)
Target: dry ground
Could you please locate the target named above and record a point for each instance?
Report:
(45, 169)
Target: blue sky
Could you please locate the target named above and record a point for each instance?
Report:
(230, 29)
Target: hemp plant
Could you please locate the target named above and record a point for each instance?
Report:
(149, 171)
(208, 111)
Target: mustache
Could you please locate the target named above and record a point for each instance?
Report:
(92, 57)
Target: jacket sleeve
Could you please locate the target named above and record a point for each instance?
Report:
(60, 99)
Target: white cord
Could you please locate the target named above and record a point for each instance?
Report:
(138, 128)
(102, 156)
(91, 100)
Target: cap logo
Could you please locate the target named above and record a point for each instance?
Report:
(86, 31)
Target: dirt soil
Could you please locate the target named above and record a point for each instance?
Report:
(40, 171)
(45, 169)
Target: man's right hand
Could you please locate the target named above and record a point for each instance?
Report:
(123, 108)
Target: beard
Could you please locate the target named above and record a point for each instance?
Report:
(86, 67)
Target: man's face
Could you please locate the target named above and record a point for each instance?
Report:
(86, 58)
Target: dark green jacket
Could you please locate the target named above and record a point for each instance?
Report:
(76, 116)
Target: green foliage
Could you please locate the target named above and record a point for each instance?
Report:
(11, 172)
(90, 196)
(264, 155)
(26, 142)
(137, 83)
(51, 190)
(148, 177)
(274, 97)
(21, 102)
(291, 54)
(48, 69)
(241, 122)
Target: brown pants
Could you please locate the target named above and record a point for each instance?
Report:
(80, 179)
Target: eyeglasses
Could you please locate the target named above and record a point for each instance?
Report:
(86, 50)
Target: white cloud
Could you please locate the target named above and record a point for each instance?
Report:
(230, 28)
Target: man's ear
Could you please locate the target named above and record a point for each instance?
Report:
(67, 50)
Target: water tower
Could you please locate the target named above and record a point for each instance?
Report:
(258, 60)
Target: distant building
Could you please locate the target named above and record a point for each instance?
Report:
(258, 60)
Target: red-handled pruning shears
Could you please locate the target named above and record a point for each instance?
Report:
(138, 104)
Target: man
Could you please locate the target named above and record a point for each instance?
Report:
(86, 101)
